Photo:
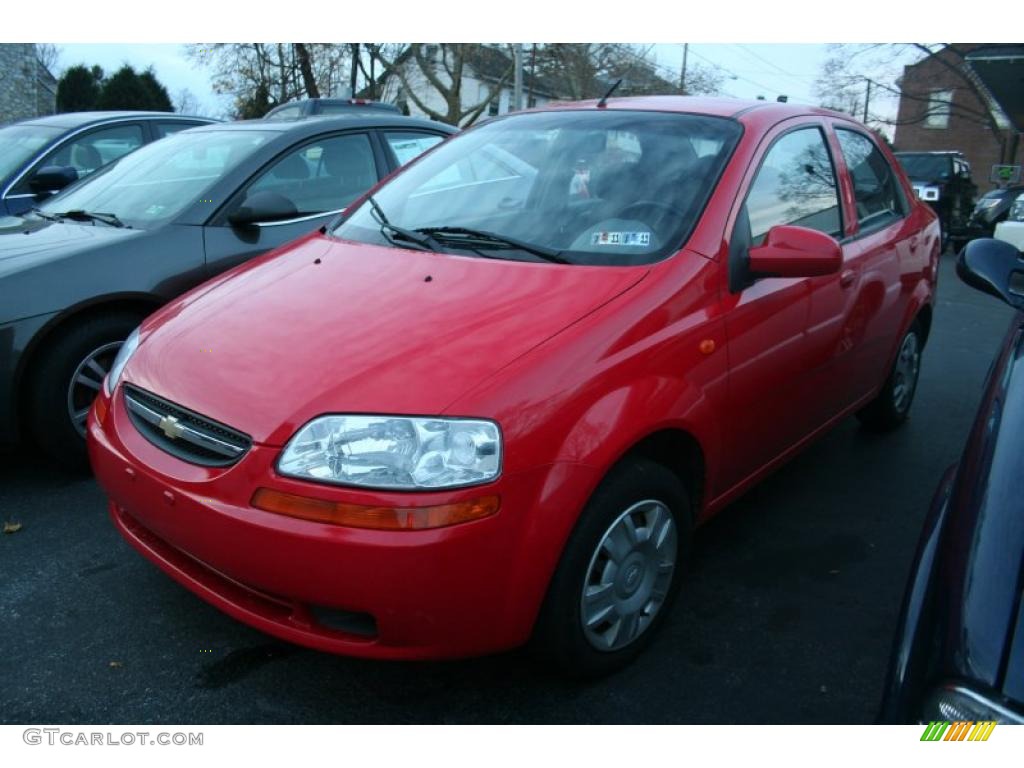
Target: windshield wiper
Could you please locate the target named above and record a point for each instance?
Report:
(80, 215)
(424, 241)
(458, 235)
(44, 215)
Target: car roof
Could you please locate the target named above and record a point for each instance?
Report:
(715, 106)
(79, 119)
(315, 124)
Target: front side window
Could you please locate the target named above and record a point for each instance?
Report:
(592, 187)
(158, 181)
(18, 143)
(92, 151)
(875, 188)
(795, 185)
(323, 176)
(939, 107)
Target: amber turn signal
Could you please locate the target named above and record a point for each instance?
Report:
(380, 518)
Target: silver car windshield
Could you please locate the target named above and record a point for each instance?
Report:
(587, 186)
(156, 182)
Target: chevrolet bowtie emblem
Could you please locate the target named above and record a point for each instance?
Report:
(171, 427)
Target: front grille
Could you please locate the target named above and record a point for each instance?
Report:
(183, 433)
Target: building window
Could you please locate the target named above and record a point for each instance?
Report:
(939, 107)
(492, 108)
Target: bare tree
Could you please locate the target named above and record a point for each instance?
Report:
(48, 55)
(186, 103)
(261, 75)
(441, 68)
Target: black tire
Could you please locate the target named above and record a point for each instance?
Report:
(49, 410)
(559, 637)
(892, 405)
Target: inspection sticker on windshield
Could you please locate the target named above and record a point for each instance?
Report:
(621, 238)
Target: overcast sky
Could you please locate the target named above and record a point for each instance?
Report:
(750, 70)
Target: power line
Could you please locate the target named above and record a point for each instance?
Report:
(733, 74)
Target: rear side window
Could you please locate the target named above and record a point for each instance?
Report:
(408, 145)
(795, 185)
(878, 195)
(166, 129)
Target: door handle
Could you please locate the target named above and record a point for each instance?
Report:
(846, 278)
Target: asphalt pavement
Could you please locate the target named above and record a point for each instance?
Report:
(786, 616)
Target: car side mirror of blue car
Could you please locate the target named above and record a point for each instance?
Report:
(994, 267)
(261, 207)
(52, 178)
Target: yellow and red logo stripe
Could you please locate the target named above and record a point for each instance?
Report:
(961, 730)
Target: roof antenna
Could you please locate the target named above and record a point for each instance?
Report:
(604, 99)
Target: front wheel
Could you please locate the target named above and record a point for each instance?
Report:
(892, 405)
(619, 573)
(67, 378)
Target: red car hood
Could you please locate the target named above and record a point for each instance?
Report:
(329, 326)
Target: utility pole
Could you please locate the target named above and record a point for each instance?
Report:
(682, 74)
(517, 87)
(867, 100)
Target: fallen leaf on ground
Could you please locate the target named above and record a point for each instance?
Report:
(12, 527)
(116, 664)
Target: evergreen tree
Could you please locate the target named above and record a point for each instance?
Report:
(78, 89)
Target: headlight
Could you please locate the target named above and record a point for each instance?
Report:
(928, 194)
(1017, 211)
(123, 355)
(960, 704)
(393, 452)
(990, 203)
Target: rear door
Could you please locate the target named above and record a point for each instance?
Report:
(888, 253)
(320, 176)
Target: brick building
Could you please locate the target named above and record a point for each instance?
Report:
(27, 88)
(944, 106)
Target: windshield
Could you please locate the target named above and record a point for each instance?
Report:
(608, 187)
(18, 143)
(926, 166)
(156, 182)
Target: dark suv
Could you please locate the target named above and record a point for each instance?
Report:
(943, 180)
(308, 107)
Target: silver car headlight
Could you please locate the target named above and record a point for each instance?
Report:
(123, 355)
(394, 452)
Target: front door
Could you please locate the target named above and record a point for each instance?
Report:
(320, 177)
(780, 328)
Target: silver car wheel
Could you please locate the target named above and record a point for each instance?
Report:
(86, 382)
(908, 363)
(629, 576)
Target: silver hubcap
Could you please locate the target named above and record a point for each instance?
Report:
(86, 382)
(907, 364)
(629, 576)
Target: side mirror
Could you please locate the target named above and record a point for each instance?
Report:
(790, 251)
(52, 178)
(994, 267)
(263, 207)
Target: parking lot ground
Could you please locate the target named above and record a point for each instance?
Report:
(786, 616)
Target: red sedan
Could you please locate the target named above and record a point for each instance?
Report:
(492, 402)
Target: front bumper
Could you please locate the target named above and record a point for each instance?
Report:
(464, 590)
